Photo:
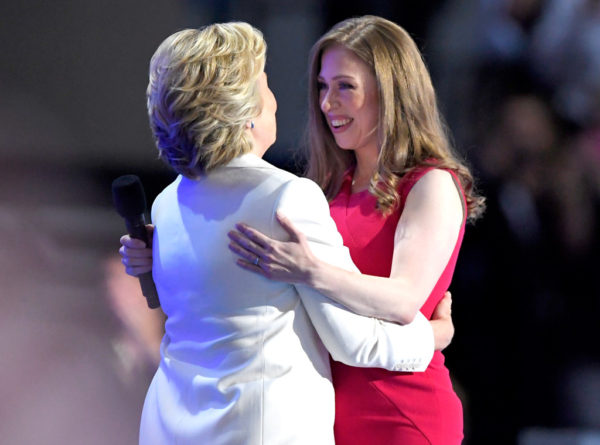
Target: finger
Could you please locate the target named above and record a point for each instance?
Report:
(244, 241)
(136, 262)
(250, 266)
(128, 241)
(447, 303)
(287, 225)
(242, 252)
(135, 252)
(254, 235)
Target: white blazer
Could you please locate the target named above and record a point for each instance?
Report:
(244, 360)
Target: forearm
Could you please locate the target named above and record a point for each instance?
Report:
(394, 299)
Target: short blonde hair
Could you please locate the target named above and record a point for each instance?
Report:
(202, 92)
(411, 132)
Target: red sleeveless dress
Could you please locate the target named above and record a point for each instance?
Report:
(375, 406)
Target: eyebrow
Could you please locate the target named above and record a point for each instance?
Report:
(339, 76)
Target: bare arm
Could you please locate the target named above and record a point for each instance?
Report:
(424, 240)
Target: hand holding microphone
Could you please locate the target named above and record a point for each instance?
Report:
(130, 202)
(136, 256)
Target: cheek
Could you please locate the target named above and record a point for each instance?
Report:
(372, 112)
(274, 101)
(374, 117)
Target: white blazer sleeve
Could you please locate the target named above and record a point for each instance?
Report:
(350, 338)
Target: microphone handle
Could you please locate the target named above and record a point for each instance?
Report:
(149, 290)
(137, 229)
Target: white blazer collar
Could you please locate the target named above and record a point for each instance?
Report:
(248, 160)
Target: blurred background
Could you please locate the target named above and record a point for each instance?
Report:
(519, 85)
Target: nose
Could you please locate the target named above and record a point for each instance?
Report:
(326, 101)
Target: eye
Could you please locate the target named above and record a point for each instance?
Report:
(346, 86)
(321, 86)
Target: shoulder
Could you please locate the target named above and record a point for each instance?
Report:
(252, 175)
(252, 163)
(435, 177)
(429, 179)
(437, 189)
(276, 172)
(302, 201)
(166, 194)
(434, 182)
(301, 192)
(267, 177)
(302, 198)
(304, 184)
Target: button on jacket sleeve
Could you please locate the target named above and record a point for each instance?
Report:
(351, 339)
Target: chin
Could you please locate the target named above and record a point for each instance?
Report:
(343, 146)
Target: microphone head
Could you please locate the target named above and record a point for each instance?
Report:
(128, 196)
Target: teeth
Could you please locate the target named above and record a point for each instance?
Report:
(339, 123)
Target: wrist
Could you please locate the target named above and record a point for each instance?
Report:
(314, 274)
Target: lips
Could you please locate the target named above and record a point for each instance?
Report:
(339, 124)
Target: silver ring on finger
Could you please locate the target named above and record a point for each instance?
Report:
(257, 260)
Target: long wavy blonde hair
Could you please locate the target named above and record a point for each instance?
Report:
(202, 92)
(411, 132)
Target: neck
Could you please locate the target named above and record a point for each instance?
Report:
(366, 166)
(258, 151)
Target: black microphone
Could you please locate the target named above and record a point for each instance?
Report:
(130, 201)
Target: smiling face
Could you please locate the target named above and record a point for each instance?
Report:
(349, 99)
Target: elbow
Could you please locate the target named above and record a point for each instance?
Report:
(407, 302)
(339, 353)
(405, 314)
(342, 358)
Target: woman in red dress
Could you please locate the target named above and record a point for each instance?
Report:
(400, 197)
